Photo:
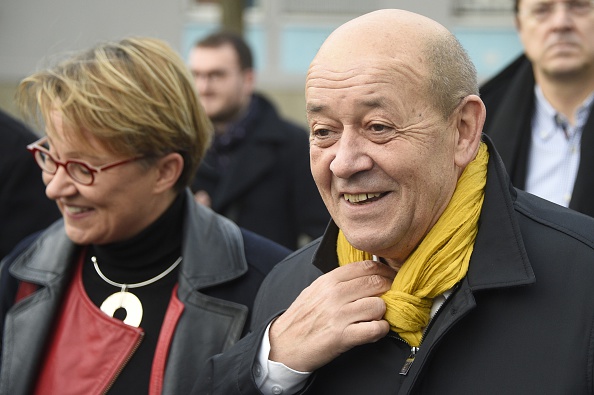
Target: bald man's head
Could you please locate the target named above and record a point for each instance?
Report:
(384, 32)
(402, 41)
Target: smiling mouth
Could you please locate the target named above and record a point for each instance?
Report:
(76, 210)
(362, 198)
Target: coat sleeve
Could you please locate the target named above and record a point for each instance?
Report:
(230, 373)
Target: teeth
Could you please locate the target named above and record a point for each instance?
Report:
(360, 197)
(75, 210)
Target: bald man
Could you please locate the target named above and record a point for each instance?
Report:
(436, 275)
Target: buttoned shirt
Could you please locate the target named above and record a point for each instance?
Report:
(554, 154)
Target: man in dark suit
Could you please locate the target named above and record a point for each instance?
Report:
(539, 107)
(257, 171)
(24, 208)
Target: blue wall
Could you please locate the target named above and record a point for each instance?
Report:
(490, 49)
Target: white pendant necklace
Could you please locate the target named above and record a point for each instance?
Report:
(127, 300)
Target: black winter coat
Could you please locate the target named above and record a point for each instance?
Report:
(268, 187)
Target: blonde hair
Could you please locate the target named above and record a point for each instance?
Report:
(135, 96)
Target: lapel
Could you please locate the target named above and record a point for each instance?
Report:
(212, 248)
(511, 127)
(499, 258)
(213, 254)
(26, 327)
(581, 198)
(255, 157)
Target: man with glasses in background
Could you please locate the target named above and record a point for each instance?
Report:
(539, 107)
(256, 171)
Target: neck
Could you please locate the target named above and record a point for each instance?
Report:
(566, 95)
(222, 126)
(148, 253)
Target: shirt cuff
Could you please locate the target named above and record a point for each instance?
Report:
(275, 378)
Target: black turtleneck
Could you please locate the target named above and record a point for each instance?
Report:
(138, 259)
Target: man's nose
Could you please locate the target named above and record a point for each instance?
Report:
(351, 156)
(561, 15)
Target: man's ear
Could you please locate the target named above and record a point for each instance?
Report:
(470, 120)
(249, 81)
(169, 168)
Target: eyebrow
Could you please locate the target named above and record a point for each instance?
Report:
(314, 108)
(76, 155)
(379, 102)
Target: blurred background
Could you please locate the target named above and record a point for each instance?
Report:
(284, 34)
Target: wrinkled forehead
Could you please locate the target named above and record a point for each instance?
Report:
(386, 38)
(357, 71)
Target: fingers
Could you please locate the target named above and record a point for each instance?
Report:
(366, 332)
(363, 268)
(363, 310)
(356, 280)
(338, 311)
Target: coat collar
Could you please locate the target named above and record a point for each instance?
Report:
(212, 250)
(262, 142)
(499, 258)
(212, 247)
(512, 119)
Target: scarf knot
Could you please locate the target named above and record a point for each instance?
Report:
(409, 311)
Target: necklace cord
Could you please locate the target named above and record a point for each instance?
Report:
(136, 285)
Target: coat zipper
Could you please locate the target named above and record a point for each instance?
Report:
(409, 361)
(415, 350)
(123, 365)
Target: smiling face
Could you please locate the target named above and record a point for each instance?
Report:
(560, 42)
(118, 205)
(382, 157)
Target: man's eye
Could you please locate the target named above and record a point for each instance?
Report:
(378, 127)
(217, 75)
(541, 10)
(580, 6)
(321, 133)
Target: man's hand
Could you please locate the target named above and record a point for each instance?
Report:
(340, 310)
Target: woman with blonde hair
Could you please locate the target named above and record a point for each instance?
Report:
(137, 285)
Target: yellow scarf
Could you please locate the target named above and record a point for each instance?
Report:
(440, 260)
